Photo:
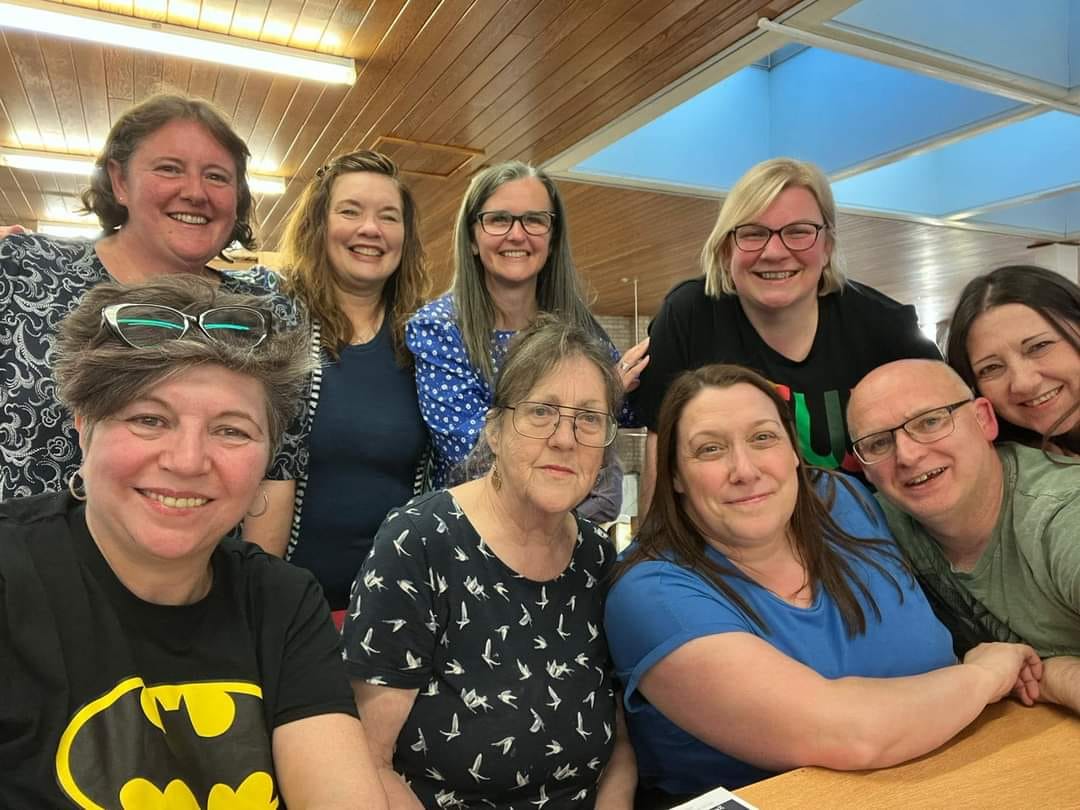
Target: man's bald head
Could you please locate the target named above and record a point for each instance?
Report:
(937, 379)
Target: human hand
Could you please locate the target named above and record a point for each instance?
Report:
(8, 230)
(1013, 668)
(632, 364)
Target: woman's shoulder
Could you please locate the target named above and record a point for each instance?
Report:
(32, 255)
(437, 311)
(861, 298)
(852, 503)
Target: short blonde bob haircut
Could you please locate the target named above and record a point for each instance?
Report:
(749, 197)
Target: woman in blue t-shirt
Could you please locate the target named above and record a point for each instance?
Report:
(354, 261)
(764, 620)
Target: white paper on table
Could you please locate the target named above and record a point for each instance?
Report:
(718, 799)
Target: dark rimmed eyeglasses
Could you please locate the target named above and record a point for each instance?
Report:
(795, 236)
(499, 223)
(540, 420)
(925, 428)
(143, 326)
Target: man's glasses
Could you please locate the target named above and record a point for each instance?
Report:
(143, 326)
(795, 236)
(499, 223)
(925, 428)
(539, 420)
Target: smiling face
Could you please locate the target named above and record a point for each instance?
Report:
(170, 474)
(775, 278)
(180, 189)
(736, 469)
(516, 257)
(364, 231)
(953, 476)
(1023, 365)
(552, 475)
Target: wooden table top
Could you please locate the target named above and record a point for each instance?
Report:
(1010, 757)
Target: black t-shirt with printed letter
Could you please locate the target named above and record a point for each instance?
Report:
(110, 701)
(858, 330)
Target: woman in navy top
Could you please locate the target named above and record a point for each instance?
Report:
(354, 261)
(764, 619)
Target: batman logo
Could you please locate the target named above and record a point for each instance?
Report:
(191, 746)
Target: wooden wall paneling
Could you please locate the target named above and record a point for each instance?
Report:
(89, 65)
(148, 74)
(175, 75)
(30, 69)
(16, 106)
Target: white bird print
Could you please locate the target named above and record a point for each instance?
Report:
(398, 544)
(482, 548)
(607, 732)
(501, 590)
(539, 643)
(432, 689)
(508, 697)
(474, 771)
(420, 746)
(506, 743)
(373, 582)
(434, 774)
(542, 602)
(412, 511)
(590, 699)
(601, 673)
(580, 795)
(411, 661)
(407, 586)
(594, 631)
(365, 645)
(558, 670)
(455, 729)
(593, 763)
(460, 555)
(582, 660)
(559, 629)
(473, 586)
(581, 728)
(522, 781)
(444, 639)
(392, 517)
(502, 630)
(554, 747)
(441, 581)
(456, 511)
(473, 701)
(542, 800)
(555, 699)
(572, 603)
(491, 659)
(356, 611)
(432, 623)
(538, 724)
(376, 680)
(603, 556)
(526, 617)
(446, 799)
(590, 580)
(440, 524)
(395, 624)
(464, 620)
(454, 668)
(564, 772)
(526, 673)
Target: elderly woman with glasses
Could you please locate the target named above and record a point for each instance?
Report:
(511, 261)
(774, 298)
(474, 636)
(763, 620)
(146, 661)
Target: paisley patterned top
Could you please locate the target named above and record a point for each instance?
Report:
(41, 280)
(515, 708)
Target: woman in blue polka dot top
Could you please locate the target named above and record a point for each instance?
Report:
(511, 260)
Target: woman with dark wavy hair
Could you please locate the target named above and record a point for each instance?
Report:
(763, 620)
(1015, 338)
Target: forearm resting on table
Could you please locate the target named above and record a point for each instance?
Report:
(1061, 682)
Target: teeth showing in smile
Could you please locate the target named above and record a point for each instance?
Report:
(175, 503)
(514, 254)
(926, 476)
(777, 276)
(1043, 398)
(189, 219)
(364, 250)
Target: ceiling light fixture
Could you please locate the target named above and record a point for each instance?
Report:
(67, 229)
(83, 165)
(173, 40)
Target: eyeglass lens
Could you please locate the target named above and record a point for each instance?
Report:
(147, 325)
(539, 420)
(796, 236)
(498, 223)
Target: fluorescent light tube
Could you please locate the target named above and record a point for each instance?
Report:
(173, 40)
(68, 230)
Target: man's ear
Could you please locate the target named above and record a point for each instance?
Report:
(985, 416)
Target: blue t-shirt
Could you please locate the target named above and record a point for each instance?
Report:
(659, 606)
(366, 439)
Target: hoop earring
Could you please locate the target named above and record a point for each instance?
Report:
(266, 506)
(72, 486)
(496, 478)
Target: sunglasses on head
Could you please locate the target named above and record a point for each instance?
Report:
(143, 326)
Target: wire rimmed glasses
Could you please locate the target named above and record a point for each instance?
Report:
(143, 326)
(925, 428)
(499, 223)
(796, 236)
(540, 420)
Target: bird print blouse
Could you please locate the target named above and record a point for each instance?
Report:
(515, 708)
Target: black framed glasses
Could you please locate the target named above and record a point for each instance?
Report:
(143, 326)
(540, 420)
(925, 428)
(796, 236)
(499, 223)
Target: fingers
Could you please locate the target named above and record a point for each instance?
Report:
(630, 373)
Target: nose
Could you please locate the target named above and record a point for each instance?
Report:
(564, 432)
(369, 224)
(908, 451)
(775, 248)
(517, 231)
(194, 189)
(742, 467)
(1024, 378)
(184, 453)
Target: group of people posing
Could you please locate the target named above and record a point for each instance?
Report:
(432, 471)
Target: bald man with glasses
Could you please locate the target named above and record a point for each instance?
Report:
(992, 531)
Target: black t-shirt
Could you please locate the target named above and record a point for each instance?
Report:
(858, 330)
(106, 700)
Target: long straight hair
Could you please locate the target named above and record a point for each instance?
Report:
(307, 272)
(558, 287)
(669, 533)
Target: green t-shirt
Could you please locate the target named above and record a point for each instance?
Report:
(1028, 578)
